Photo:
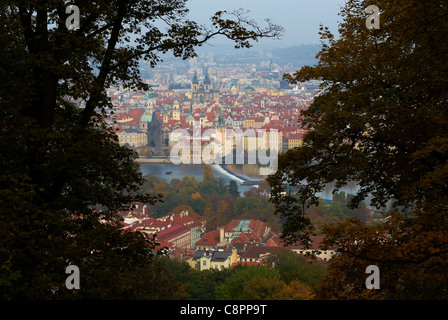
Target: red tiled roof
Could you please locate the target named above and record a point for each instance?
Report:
(210, 239)
(296, 135)
(173, 231)
(258, 227)
(315, 242)
(255, 252)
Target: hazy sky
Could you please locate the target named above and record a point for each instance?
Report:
(300, 18)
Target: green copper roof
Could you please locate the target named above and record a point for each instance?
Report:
(146, 117)
(243, 226)
(190, 118)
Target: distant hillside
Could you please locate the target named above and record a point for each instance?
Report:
(303, 54)
(305, 51)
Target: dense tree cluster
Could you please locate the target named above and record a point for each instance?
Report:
(381, 121)
(212, 199)
(63, 176)
(284, 276)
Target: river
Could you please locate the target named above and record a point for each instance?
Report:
(178, 171)
(238, 172)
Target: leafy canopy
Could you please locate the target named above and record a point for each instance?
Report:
(381, 121)
(64, 178)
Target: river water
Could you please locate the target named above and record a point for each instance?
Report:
(178, 171)
(237, 172)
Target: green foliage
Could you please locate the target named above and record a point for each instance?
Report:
(335, 209)
(233, 189)
(171, 280)
(293, 267)
(240, 285)
(208, 175)
(262, 287)
(374, 135)
(202, 284)
(63, 175)
(381, 121)
(211, 200)
(177, 281)
(189, 184)
(49, 200)
(245, 204)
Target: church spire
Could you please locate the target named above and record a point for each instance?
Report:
(207, 78)
(195, 78)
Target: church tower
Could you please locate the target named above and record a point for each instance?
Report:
(176, 110)
(202, 93)
(194, 82)
(207, 82)
(154, 134)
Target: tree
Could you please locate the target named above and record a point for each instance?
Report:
(250, 282)
(172, 277)
(296, 290)
(47, 226)
(381, 121)
(61, 161)
(202, 284)
(208, 184)
(233, 189)
(218, 211)
(261, 287)
(334, 209)
(294, 267)
(161, 187)
(175, 184)
(208, 175)
(221, 186)
(196, 195)
(243, 205)
(189, 184)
